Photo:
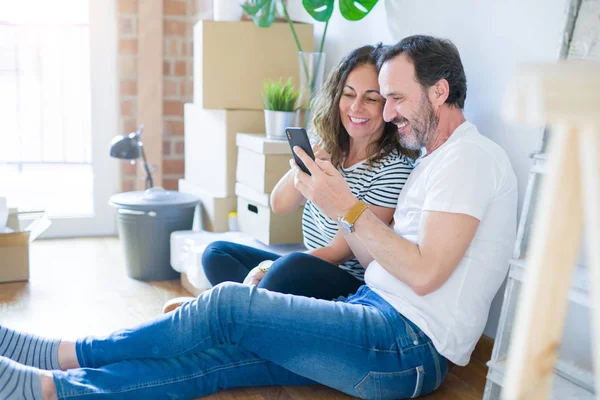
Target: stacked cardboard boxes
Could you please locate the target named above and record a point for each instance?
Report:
(261, 164)
(231, 62)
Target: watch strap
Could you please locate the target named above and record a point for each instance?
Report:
(355, 212)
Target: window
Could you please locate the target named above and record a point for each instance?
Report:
(45, 136)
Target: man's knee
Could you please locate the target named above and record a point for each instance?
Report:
(230, 294)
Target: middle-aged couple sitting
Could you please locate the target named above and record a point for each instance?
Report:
(405, 254)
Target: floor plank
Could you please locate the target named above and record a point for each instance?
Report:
(80, 287)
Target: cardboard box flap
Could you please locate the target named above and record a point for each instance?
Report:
(37, 227)
(252, 195)
(14, 239)
(260, 144)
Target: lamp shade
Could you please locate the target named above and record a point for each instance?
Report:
(125, 147)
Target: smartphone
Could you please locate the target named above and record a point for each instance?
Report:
(299, 137)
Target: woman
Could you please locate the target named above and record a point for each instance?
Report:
(348, 120)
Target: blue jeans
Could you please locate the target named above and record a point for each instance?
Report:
(301, 274)
(236, 335)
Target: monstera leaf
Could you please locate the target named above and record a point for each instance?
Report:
(320, 10)
(262, 12)
(352, 10)
(355, 10)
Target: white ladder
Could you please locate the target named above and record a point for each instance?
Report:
(570, 382)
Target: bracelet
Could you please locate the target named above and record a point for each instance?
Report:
(265, 265)
(264, 269)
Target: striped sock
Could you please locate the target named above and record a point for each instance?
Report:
(28, 349)
(19, 382)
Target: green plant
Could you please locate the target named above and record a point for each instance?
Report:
(280, 96)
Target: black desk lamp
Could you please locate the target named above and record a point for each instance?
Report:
(129, 147)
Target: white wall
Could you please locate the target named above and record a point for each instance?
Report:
(493, 37)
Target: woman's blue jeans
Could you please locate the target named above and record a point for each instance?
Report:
(236, 335)
(301, 274)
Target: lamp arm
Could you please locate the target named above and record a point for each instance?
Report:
(149, 181)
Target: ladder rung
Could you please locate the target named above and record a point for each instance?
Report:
(563, 388)
(579, 292)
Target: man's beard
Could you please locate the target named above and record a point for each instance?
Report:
(423, 125)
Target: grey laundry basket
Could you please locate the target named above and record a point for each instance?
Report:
(145, 220)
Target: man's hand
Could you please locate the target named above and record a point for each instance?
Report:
(254, 276)
(325, 187)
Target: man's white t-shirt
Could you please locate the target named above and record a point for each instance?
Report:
(468, 174)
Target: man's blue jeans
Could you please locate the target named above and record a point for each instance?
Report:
(237, 335)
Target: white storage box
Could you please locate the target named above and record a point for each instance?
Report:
(210, 147)
(256, 218)
(261, 161)
(187, 248)
(212, 214)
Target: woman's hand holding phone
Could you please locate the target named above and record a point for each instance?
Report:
(299, 137)
(321, 154)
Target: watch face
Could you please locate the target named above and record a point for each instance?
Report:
(346, 225)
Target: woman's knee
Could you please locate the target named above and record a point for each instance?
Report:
(214, 250)
(294, 260)
(287, 266)
(286, 273)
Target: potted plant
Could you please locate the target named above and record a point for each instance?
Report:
(281, 111)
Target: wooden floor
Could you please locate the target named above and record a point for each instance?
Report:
(79, 287)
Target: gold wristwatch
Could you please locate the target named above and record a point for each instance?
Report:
(348, 220)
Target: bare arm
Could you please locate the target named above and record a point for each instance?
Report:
(360, 251)
(285, 198)
(339, 250)
(424, 267)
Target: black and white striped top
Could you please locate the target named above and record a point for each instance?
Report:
(379, 185)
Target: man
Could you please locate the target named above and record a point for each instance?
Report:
(447, 254)
(430, 279)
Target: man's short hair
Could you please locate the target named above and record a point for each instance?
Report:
(434, 59)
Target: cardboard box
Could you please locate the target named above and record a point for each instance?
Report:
(210, 146)
(212, 214)
(256, 218)
(14, 246)
(233, 59)
(261, 161)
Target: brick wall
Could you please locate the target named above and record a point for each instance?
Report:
(179, 17)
